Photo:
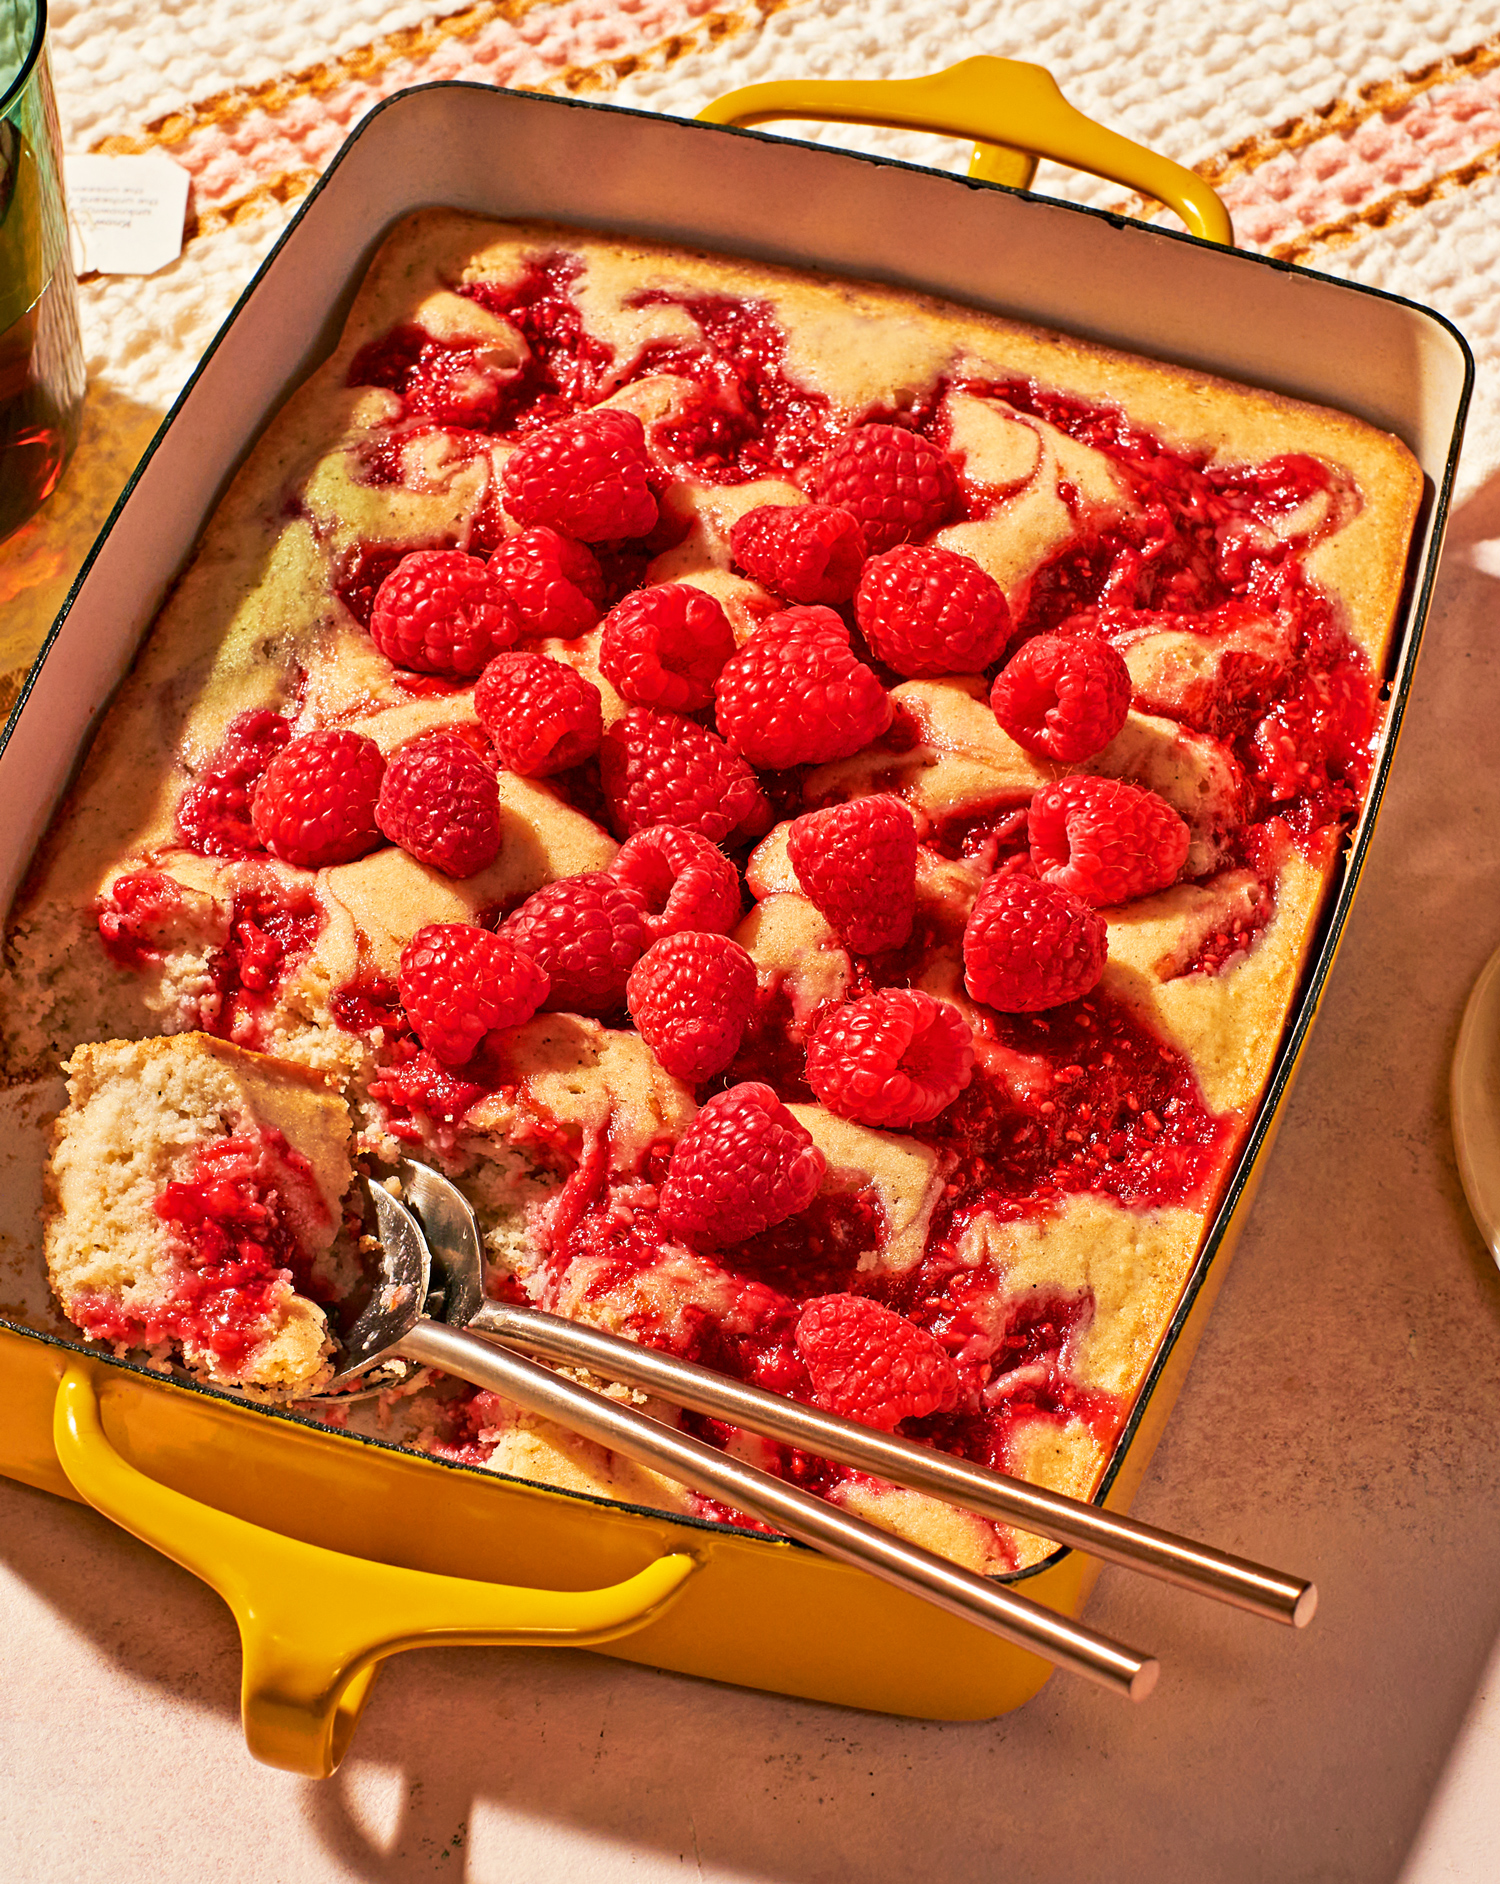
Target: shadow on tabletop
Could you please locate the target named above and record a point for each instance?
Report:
(1339, 1423)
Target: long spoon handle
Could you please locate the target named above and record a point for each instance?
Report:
(1049, 1514)
(963, 1594)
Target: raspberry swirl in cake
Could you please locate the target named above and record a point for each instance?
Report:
(593, 595)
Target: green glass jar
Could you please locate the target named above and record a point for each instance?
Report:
(41, 355)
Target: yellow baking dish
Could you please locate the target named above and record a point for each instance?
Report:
(334, 1550)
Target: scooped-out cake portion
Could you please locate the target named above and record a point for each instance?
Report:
(810, 802)
(194, 1197)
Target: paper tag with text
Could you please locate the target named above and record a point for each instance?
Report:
(126, 212)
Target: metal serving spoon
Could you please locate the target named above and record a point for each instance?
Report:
(394, 1324)
(398, 1323)
(453, 1234)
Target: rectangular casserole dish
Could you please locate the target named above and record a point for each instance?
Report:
(755, 1610)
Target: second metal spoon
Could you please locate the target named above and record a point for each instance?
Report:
(453, 1232)
(395, 1324)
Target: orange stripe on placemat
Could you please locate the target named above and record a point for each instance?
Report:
(1388, 209)
(363, 62)
(1322, 181)
(1282, 211)
(209, 217)
(666, 52)
(1347, 114)
(410, 44)
(287, 188)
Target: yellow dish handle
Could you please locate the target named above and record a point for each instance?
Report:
(314, 1624)
(1014, 109)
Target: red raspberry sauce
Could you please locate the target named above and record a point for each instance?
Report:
(986, 833)
(362, 1005)
(815, 1253)
(566, 364)
(419, 1083)
(213, 816)
(410, 1080)
(1014, 1375)
(753, 420)
(237, 1252)
(1119, 1113)
(562, 372)
(271, 930)
(1108, 1108)
(1026, 1365)
(1195, 548)
(1262, 849)
(364, 571)
(434, 380)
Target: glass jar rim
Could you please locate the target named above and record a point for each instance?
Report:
(33, 52)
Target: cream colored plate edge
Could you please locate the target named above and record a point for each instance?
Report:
(1476, 1103)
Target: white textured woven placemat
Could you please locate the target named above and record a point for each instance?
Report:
(1365, 143)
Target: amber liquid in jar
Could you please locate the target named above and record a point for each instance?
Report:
(37, 430)
(41, 354)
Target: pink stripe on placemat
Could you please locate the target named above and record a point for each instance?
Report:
(239, 147)
(1305, 197)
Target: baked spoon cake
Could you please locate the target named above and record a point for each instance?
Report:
(194, 1198)
(810, 802)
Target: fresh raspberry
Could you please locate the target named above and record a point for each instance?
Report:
(213, 816)
(663, 647)
(656, 768)
(315, 803)
(894, 1058)
(458, 982)
(804, 552)
(442, 612)
(871, 1364)
(541, 715)
(1063, 697)
(690, 995)
(1031, 945)
(796, 693)
(555, 583)
(1104, 840)
(858, 863)
(743, 1164)
(587, 935)
(678, 880)
(897, 485)
(439, 803)
(585, 476)
(931, 611)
